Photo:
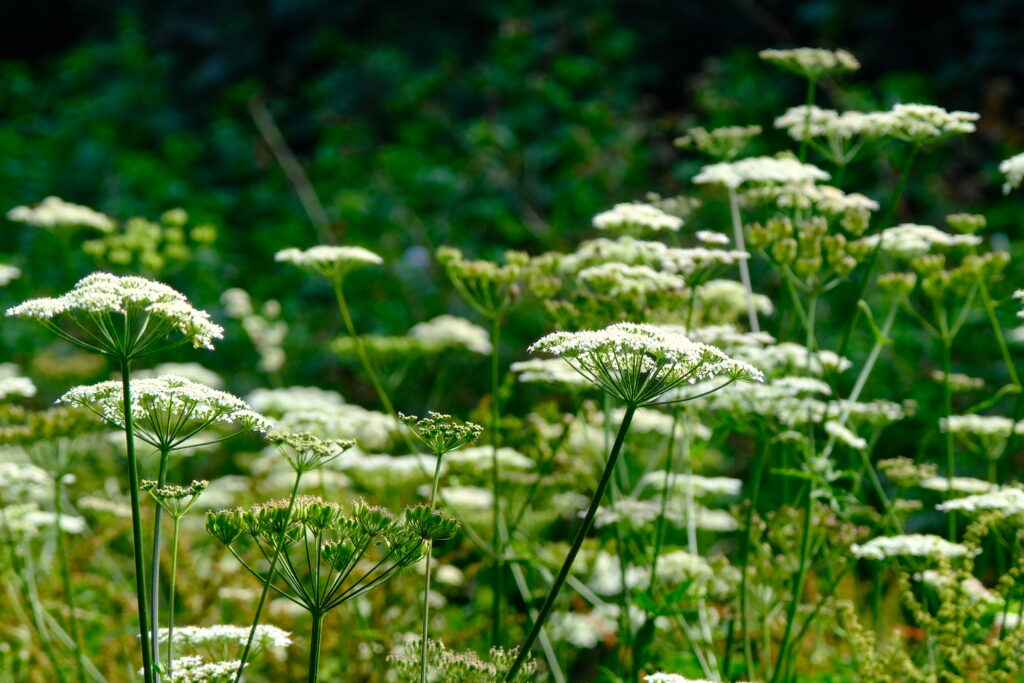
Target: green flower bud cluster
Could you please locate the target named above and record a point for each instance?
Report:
(489, 288)
(807, 247)
(175, 500)
(442, 433)
(723, 143)
(305, 452)
(154, 248)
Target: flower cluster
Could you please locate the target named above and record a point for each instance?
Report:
(487, 287)
(1006, 501)
(913, 545)
(721, 143)
(8, 274)
(909, 240)
(54, 212)
(638, 363)
(449, 331)
(759, 170)
(151, 310)
(333, 263)
(812, 62)
(12, 383)
(1013, 169)
(176, 500)
(221, 640)
(305, 452)
(456, 667)
(195, 669)
(442, 433)
(637, 217)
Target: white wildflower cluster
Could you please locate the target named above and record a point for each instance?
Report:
(637, 217)
(28, 520)
(845, 435)
(586, 631)
(195, 669)
(957, 484)
(619, 279)
(696, 484)
(476, 459)
(637, 363)
(909, 545)
(970, 586)
(811, 62)
(375, 472)
(103, 293)
(13, 384)
(789, 404)
(959, 382)
(633, 252)
(997, 426)
(264, 327)
(548, 371)
(661, 677)
(54, 212)
(1007, 501)
(166, 407)
(639, 513)
(277, 402)
(21, 482)
(1013, 169)
(712, 237)
(909, 240)
(331, 262)
(827, 199)
(226, 637)
(724, 142)
(803, 123)
(919, 123)
(468, 500)
(99, 504)
(449, 331)
(725, 300)
(191, 371)
(370, 429)
(651, 421)
(8, 274)
(733, 174)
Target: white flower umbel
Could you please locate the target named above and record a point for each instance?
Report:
(909, 240)
(845, 435)
(957, 484)
(661, 677)
(699, 485)
(123, 317)
(449, 331)
(1013, 169)
(8, 274)
(13, 384)
(54, 212)
(334, 263)
(194, 669)
(277, 402)
(618, 279)
(168, 410)
(759, 170)
(926, 546)
(1007, 501)
(920, 123)
(811, 62)
(219, 641)
(637, 217)
(549, 371)
(712, 237)
(638, 363)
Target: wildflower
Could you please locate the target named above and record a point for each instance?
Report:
(812, 62)
(1006, 501)
(619, 279)
(445, 665)
(222, 639)
(1013, 169)
(637, 217)
(722, 143)
(176, 500)
(448, 331)
(305, 452)
(442, 433)
(639, 363)
(54, 212)
(191, 371)
(151, 311)
(661, 677)
(487, 287)
(277, 402)
(548, 371)
(759, 170)
(845, 435)
(919, 123)
(371, 429)
(958, 484)
(698, 485)
(333, 263)
(958, 382)
(711, 237)
(13, 384)
(908, 240)
(168, 410)
(479, 459)
(914, 545)
(194, 669)
(8, 274)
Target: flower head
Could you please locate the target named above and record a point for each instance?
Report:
(722, 143)
(176, 500)
(489, 288)
(812, 62)
(909, 545)
(637, 217)
(638, 363)
(1013, 169)
(128, 316)
(442, 433)
(305, 452)
(334, 263)
(759, 170)
(54, 212)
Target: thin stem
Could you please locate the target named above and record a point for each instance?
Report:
(357, 342)
(133, 492)
(315, 636)
(65, 575)
(798, 588)
(278, 545)
(154, 572)
(997, 330)
(426, 580)
(737, 233)
(588, 520)
(496, 544)
(947, 407)
(744, 558)
(170, 598)
(808, 103)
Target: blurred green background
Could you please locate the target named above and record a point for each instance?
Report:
(488, 126)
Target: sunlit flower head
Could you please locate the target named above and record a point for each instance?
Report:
(332, 262)
(812, 62)
(637, 217)
(54, 212)
(638, 363)
(759, 170)
(926, 546)
(442, 433)
(1013, 170)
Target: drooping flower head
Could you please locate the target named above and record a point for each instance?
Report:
(812, 62)
(123, 317)
(168, 410)
(442, 433)
(334, 263)
(638, 363)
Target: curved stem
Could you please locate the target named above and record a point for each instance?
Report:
(170, 598)
(737, 233)
(315, 636)
(65, 575)
(357, 342)
(133, 492)
(270, 578)
(154, 572)
(588, 520)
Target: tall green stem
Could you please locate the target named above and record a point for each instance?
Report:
(581, 534)
(496, 544)
(737, 233)
(315, 636)
(947, 407)
(65, 575)
(357, 342)
(426, 580)
(170, 598)
(798, 589)
(808, 103)
(154, 572)
(279, 544)
(133, 492)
